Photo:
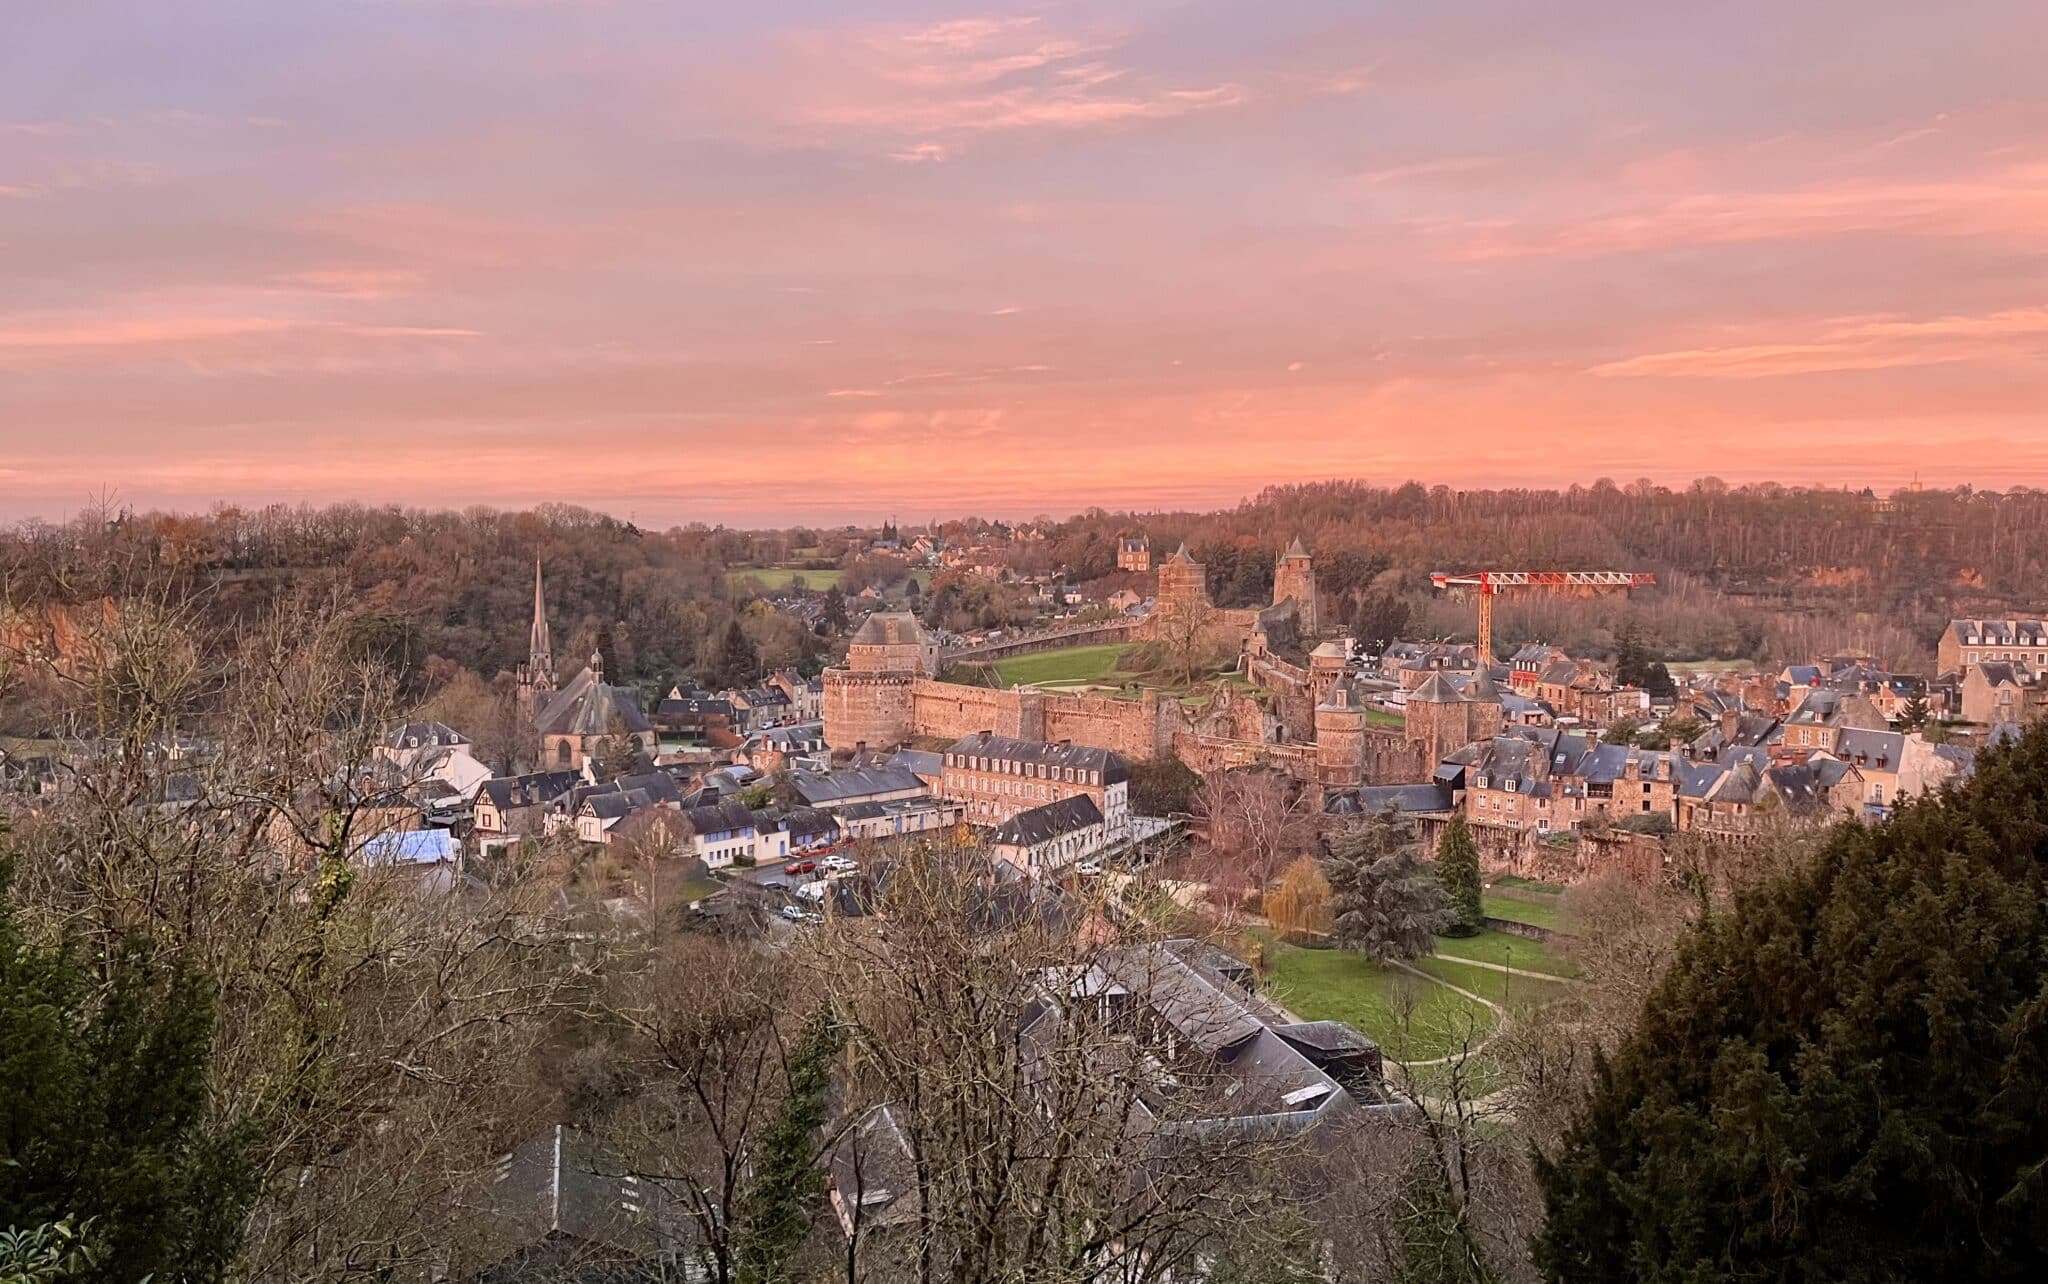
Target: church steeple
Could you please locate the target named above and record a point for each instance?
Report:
(537, 675)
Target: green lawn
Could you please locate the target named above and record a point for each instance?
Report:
(1509, 991)
(773, 578)
(1508, 951)
(1534, 913)
(1338, 985)
(695, 889)
(1382, 718)
(1068, 664)
(1529, 885)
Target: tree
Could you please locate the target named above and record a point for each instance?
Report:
(618, 754)
(1301, 903)
(1254, 821)
(1631, 659)
(1163, 786)
(1457, 868)
(1840, 1076)
(1382, 903)
(1380, 620)
(785, 1187)
(1622, 731)
(103, 1097)
(1914, 714)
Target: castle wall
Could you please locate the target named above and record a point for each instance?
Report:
(949, 710)
(1137, 729)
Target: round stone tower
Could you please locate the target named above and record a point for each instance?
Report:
(871, 700)
(1340, 737)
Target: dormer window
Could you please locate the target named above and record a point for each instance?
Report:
(1511, 785)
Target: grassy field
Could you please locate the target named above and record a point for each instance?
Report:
(1534, 913)
(1381, 718)
(1409, 1017)
(773, 578)
(1502, 988)
(1515, 883)
(1508, 951)
(1068, 664)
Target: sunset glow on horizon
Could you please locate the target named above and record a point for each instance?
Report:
(816, 260)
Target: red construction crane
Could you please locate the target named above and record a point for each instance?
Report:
(1492, 583)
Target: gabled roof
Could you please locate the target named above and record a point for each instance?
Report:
(1295, 549)
(818, 788)
(423, 735)
(1043, 824)
(541, 787)
(590, 707)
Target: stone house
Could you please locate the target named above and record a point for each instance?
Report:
(995, 777)
(1051, 836)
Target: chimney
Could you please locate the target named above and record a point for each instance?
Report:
(1729, 719)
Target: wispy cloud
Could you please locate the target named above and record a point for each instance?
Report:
(1853, 343)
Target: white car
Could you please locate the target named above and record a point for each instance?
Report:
(838, 864)
(794, 913)
(1089, 869)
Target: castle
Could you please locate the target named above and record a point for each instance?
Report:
(1312, 720)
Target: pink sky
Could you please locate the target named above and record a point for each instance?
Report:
(820, 260)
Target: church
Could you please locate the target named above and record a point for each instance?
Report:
(574, 721)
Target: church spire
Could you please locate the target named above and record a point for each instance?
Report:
(540, 652)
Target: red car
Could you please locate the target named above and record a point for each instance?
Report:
(801, 867)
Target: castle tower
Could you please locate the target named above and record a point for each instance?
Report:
(537, 675)
(1340, 737)
(1439, 719)
(1295, 577)
(871, 698)
(1488, 714)
(1182, 579)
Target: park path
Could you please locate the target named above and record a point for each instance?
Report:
(1511, 971)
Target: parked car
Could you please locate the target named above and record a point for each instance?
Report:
(838, 864)
(1089, 869)
(801, 867)
(794, 914)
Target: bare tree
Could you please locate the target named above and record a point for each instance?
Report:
(1255, 821)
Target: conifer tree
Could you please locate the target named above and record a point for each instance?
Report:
(786, 1184)
(1457, 868)
(1382, 903)
(1840, 1077)
(104, 1121)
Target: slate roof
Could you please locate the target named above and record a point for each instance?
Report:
(537, 789)
(561, 1183)
(825, 788)
(422, 735)
(1046, 753)
(588, 707)
(875, 630)
(1436, 689)
(1408, 799)
(719, 818)
(1050, 821)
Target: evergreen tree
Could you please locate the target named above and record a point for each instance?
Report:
(104, 1057)
(1841, 1077)
(1457, 868)
(1913, 715)
(1631, 660)
(1381, 618)
(1382, 903)
(738, 662)
(618, 754)
(1621, 732)
(785, 1184)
